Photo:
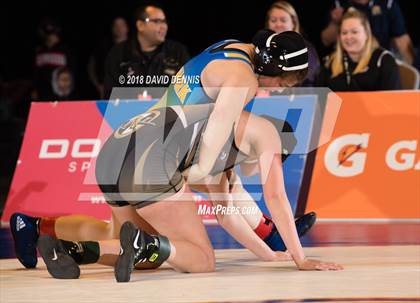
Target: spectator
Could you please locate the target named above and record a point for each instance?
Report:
(51, 54)
(63, 85)
(96, 65)
(148, 52)
(280, 17)
(386, 21)
(359, 63)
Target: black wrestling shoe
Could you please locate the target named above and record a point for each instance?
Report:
(60, 265)
(303, 225)
(132, 245)
(25, 233)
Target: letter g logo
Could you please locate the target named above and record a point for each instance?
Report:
(343, 157)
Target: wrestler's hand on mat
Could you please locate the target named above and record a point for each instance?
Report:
(310, 264)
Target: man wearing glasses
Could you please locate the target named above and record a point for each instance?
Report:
(146, 53)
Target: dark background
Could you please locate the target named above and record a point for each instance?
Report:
(197, 24)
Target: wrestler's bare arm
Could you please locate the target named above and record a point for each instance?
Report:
(262, 137)
(233, 222)
(236, 88)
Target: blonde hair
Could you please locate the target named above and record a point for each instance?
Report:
(288, 8)
(336, 59)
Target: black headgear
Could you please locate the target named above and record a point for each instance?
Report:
(279, 53)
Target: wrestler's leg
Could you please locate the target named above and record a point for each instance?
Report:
(177, 219)
(59, 253)
(183, 241)
(108, 248)
(27, 229)
(85, 228)
(70, 228)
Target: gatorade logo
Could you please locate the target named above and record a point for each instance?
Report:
(348, 152)
(346, 156)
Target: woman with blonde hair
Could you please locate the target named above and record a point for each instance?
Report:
(359, 63)
(281, 17)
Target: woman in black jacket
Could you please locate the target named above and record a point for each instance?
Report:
(358, 63)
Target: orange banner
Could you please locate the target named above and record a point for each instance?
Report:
(371, 166)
